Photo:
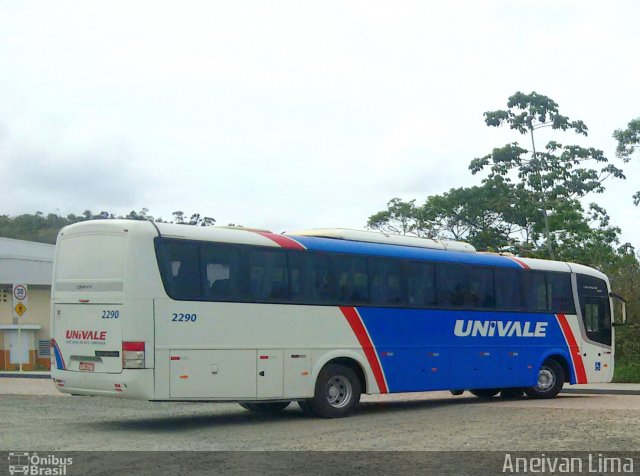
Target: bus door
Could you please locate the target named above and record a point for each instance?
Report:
(595, 307)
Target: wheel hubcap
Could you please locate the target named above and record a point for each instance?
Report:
(546, 379)
(339, 391)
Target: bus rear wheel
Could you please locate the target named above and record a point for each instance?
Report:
(337, 392)
(305, 406)
(265, 407)
(550, 381)
(485, 392)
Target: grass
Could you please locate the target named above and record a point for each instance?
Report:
(626, 373)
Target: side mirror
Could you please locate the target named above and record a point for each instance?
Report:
(623, 304)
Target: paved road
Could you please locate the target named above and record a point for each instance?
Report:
(429, 421)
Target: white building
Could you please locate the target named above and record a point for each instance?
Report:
(28, 264)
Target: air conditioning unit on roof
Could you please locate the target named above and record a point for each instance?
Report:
(385, 238)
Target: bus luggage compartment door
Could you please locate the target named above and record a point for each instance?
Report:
(212, 374)
(270, 373)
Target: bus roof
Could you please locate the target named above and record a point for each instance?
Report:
(386, 238)
(250, 236)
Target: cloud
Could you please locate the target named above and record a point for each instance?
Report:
(53, 175)
(290, 114)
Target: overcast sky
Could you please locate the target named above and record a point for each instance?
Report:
(289, 115)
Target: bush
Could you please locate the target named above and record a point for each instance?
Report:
(627, 365)
(626, 374)
(628, 345)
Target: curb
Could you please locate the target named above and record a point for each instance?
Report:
(601, 391)
(573, 390)
(23, 375)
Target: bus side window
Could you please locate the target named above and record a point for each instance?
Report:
(535, 290)
(481, 290)
(309, 277)
(508, 288)
(559, 293)
(464, 286)
(419, 284)
(300, 277)
(268, 275)
(181, 269)
(351, 278)
(384, 282)
(222, 278)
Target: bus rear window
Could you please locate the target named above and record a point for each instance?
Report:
(91, 257)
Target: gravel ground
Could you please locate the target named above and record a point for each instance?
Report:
(42, 419)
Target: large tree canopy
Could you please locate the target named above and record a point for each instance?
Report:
(550, 177)
(529, 201)
(628, 139)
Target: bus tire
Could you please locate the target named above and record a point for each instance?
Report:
(337, 392)
(265, 407)
(456, 392)
(305, 406)
(550, 381)
(512, 393)
(485, 392)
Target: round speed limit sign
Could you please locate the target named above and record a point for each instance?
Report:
(20, 292)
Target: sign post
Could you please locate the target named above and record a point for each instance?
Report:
(20, 304)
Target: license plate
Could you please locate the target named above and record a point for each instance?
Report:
(86, 366)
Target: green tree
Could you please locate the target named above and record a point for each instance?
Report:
(401, 218)
(628, 139)
(547, 178)
(489, 216)
(44, 229)
(493, 216)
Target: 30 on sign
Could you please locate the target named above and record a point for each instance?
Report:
(20, 292)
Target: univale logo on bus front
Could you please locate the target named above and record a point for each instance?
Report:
(474, 328)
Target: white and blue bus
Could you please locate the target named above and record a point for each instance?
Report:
(169, 312)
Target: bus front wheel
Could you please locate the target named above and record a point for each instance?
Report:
(265, 407)
(337, 392)
(550, 381)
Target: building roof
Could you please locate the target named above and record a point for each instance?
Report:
(26, 262)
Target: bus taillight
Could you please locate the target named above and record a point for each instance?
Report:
(133, 355)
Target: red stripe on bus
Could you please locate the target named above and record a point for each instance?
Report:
(574, 350)
(521, 263)
(353, 318)
(282, 240)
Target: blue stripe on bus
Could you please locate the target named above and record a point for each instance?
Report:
(407, 252)
(58, 356)
(419, 351)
